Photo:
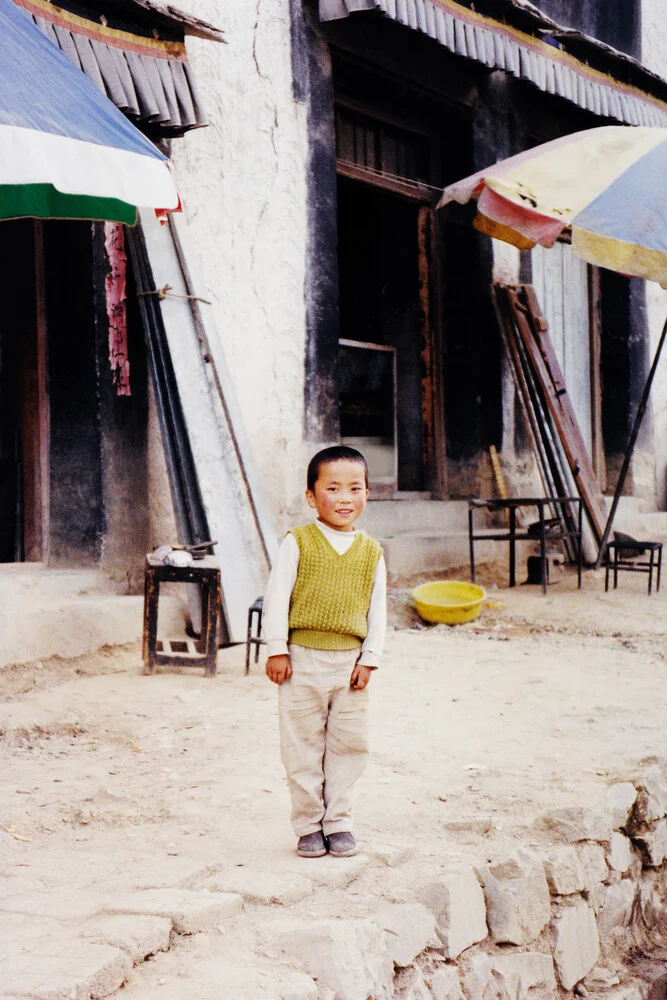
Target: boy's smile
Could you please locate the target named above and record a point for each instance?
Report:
(339, 494)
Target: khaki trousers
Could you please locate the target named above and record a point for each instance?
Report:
(323, 738)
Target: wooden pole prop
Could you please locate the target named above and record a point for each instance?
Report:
(630, 449)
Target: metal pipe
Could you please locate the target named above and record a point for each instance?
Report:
(631, 447)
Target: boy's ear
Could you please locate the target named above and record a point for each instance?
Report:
(310, 499)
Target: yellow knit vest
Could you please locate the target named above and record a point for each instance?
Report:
(332, 592)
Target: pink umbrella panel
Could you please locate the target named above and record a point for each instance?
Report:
(603, 186)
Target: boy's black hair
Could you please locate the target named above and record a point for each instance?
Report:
(333, 454)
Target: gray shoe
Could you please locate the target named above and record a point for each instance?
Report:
(341, 845)
(312, 845)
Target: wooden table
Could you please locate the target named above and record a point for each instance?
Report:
(512, 536)
(204, 572)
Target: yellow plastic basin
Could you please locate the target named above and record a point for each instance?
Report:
(449, 601)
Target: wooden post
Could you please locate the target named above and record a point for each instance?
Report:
(35, 418)
(433, 438)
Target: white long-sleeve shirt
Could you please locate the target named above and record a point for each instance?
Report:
(275, 618)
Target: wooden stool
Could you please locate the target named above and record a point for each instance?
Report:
(626, 557)
(253, 637)
(206, 573)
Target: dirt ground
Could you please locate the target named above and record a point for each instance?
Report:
(111, 781)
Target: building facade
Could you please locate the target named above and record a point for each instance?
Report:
(347, 305)
(74, 383)
(352, 309)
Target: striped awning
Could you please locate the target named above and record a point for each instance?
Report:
(541, 60)
(146, 77)
(65, 151)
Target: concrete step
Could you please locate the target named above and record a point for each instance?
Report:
(75, 626)
(427, 555)
(427, 537)
(385, 518)
(649, 527)
(20, 582)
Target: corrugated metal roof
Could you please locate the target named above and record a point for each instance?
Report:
(161, 14)
(539, 58)
(147, 77)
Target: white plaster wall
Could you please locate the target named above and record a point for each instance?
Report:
(242, 182)
(656, 300)
(654, 36)
(654, 56)
(506, 263)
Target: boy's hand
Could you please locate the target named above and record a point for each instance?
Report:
(360, 677)
(279, 668)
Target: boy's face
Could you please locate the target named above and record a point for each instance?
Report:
(340, 493)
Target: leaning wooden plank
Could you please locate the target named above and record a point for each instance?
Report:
(499, 298)
(592, 494)
(236, 509)
(533, 412)
(565, 439)
(558, 478)
(533, 330)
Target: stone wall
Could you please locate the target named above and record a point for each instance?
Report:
(568, 917)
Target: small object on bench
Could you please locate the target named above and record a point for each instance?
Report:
(206, 573)
(632, 549)
(624, 554)
(254, 637)
(552, 526)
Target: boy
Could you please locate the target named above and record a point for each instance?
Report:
(324, 625)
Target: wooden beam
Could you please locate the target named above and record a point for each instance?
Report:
(499, 297)
(35, 417)
(408, 189)
(434, 454)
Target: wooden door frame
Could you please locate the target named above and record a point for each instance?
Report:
(434, 442)
(432, 394)
(34, 418)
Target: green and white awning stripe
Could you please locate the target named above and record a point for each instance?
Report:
(54, 176)
(65, 150)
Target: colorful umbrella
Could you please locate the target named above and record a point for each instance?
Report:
(66, 151)
(605, 185)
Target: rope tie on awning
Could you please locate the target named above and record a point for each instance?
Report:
(166, 293)
(386, 175)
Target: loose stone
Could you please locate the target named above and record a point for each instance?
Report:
(457, 902)
(409, 929)
(517, 898)
(577, 944)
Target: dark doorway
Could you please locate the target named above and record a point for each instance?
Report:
(23, 408)
(77, 512)
(381, 307)
(50, 451)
